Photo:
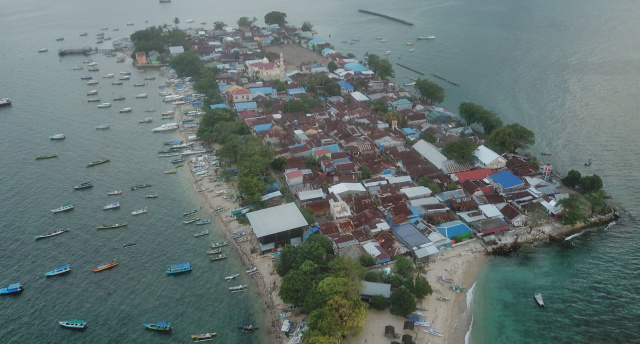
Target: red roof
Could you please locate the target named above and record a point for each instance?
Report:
(474, 175)
(322, 151)
(240, 91)
(293, 174)
(247, 114)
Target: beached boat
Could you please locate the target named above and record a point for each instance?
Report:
(433, 332)
(112, 205)
(14, 288)
(119, 98)
(117, 192)
(105, 266)
(237, 288)
(129, 244)
(58, 271)
(229, 278)
(40, 157)
(205, 336)
(139, 211)
(179, 165)
(191, 221)
(77, 324)
(253, 270)
(204, 222)
(108, 76)
(201, 234)
(141, 95)
(84, 185)
(219, 244)
(241, 240)
(152, 196)
(179, 268)
(97, 162)
(440, 298)
(92, 92)
(57, 137)
(127, 109)
(445, 279)
(104, 105)
(166, 127)
(215, 251)
(139, 84)
(146, 120)
(42, 236)
(160, 326)
(218, 257)
(62, 208)
(539, 300)
(140, 186)
(190, 212)
(111, 226)
(283, 315)
(238, 234)
(170, 172)
(177, 161)
(422, 323)
(103, 126)
(248, 328)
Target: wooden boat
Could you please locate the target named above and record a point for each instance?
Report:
(214, 251)
(238, 234)
(248, 328)
(149, 77)
(203, 222)
(219, 244)
(190, 212)
(539, 300)
(119, 98)
(40, 157)
(97, 162)
(237, 288)
(51, 234)
(161, 326)
(139, 211)
(588, 163)
(14, 288)
(140, 186)
(253, 270)
(62, 208)
(103, 126)
(170, 172)
(201, 234)
(58, 271)
(92, 92)
(433, 332)
(105, 266)
(283, 315)
(191, 221)
(152, 196)
(218, 257)
(179, 268)
(229, 278)
(543, 153)
(129, 244)
(116, 83)
(146, 120)
(203, 337)
(93, 100)
(84, 185)
(440, 298)
(111, 193)
(112, 205)
(115, 225)
(241, 240)
(179, 165)
(177, 161)
(77, 324)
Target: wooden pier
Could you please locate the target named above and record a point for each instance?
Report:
(83, 51)
(386, 16)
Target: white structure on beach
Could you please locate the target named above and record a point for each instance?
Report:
(277, 226)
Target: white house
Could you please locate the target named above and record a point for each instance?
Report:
(489, 159)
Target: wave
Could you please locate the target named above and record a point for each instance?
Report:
(470, 294)
(611, 224)
(467, 336)
(574, 235)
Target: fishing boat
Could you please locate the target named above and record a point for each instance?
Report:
(93, 69)
(117, 192)
(191, 221)
(84, 185)
(169, 113)
(539, 300)
(152, 196)
(83, 34)
(127, 109)
(42, 236)
(588, 163)
(410, 43)
(126, 77)
(40, 157)
(248, 328)
(141, 95)
(283, 315)
(58, 271)
(111, 226)
(119, 98)
(179, 268)
(112, 205)
(161, 326)
(103, 126)
(149, 77)
(412, 83)
(190, 212)
(179, 165)
(105, 266)
(92, 82)
(86, 77)
(140, 186)
(129, 244)
(238, 234)
(433, 332)
(108, 76)
(218, 257)
(139, 84)
(241, 240)
(14, 288)
(219, 244)
(253, 270)
(215, 251)
(440, 298)
(170, 172)
(146, 120)
(62, 208)
(92, 92)
(445, 279)
(77, 324)
(177, 161)
(229, 278)
(150, 110)
(139, 211)
(201, 234)
(93, 100)
(543, 153)
(431, 37)
(168, 155)
(237, 288)
(117, 83)
(97, 162)
(204, 222)
(205, 336)
(104, 105)
(165, 127)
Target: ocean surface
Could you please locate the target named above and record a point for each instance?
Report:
(566, 70)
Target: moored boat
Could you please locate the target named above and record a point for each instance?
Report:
(166, 127)
(62, 208)
(116, 83)
(112, 205)
(117, 192)
(150, 110)
(129, 244)
(84, 185)
(204, 222)
(126, 77)
(93, 100)
(253, 270)
(140, 186)
(141, 95)
(42, 236)
(219, 244)
(218, 257)
(14, 288)
(191, 221)
(205, 336)
(93, 69)
(152, 196)
(97, 162)
(237, 288)
(77, 68)
(231, 277)
(39, 157)
(215, 251)
(177, 161)
(111, 226)
(548, 154)
(108, 76)
(139, 211)
(92, 82)
(105, 266)
(86, 77)
(539, 300)
(160, 326)
(119, 98)
(43, 50)
(179, 268)
(58, 271)
(127, 109)
(201, 234)
(103, 126)
(139, 84)
(248, 328)
(77, 324)
(170, 172)
(190, 212)
(104, 105)
(146, 120)
(92, 92)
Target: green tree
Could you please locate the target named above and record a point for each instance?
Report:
(366, 260)
(575, 210)
(403, 266)
(384, 69)
(427, 136)
(572, 179)
(351, 56)
(597, 200)
(590, 183)
(371, 276)
(311, 162)
(308, 215)
(219, 25)
(365, 172)
(320, 240)
(524, 137)
(328, 288)
(316, 338)
(460, 151)
(295, 105)
(291, 257)
(246, 22)
(503, 138)
(280, 86)
(402, 302)
(379, 302)
(380, 107)
(306, 26)
(275, 17)
(426, 182)
(176, 21)
(391, 116)
(332, 66)
(422, 288)
(279, 163)
(332, 88)
(429, 92)
(187, 64)
(474, 113)
(297, 284)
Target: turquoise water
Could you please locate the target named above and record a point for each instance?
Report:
(566, 70)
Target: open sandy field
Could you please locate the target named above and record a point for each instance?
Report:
(295, 54)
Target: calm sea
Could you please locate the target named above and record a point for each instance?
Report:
(566, 70)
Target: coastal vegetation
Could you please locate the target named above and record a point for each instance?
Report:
(429, 92)
(382, 67)
(275, 17)
(246, 22)
(158, 38)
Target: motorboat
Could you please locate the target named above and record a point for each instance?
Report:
(57, 137)
(112, 205)
(141, 95)
(539, 300)
(104, 105)
(165, 127)
(127, 109)
(77, 324)
(58, 271)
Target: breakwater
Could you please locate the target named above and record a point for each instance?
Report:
(445, 80)
(386, 16)
(413, 70)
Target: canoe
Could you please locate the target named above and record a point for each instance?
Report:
(161, 326)
(115, 225)
(58, 271)
(42, 236)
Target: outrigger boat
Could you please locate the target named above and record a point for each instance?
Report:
(241, 287)
(51, 234)
(77, 324)
(219, 244)
(229, 278)
(115, 225)
(58, 271)
(97, 162)
(62, 208)
(111, 193)
(139, 211)
(105, 266)
(203, 337)
(191, 221)
(161, 326)
(253, 270)
(39, 157)
(203, 222)
(190, 212)
(218, 257)
(201, 234)
(140, 186)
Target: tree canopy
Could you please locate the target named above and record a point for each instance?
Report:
(382, 67)
(156, 38)
(246, 22)
(572, 179)
(427, 136)
(460, 151)
(403, 266)
(219, 25)
(187, 64)
(306, 26)
(575, 210)
(474, 113)
(590, 183)
(275, 17)
(503, 139)
(429, 92)
(402, 302)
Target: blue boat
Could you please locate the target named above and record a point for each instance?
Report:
(79, 324)
(203, 222)
(58, 271)
(161, 326)
(12, 289)
(180, 268)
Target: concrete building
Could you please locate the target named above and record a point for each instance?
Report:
(277, 226)
(489, 159)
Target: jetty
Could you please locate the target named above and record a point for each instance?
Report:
(386, 16)
(83, 51)
(443, 79)
(413, 70)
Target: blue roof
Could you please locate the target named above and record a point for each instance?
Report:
(453, 228)
(347, 86)
(334, 148)
(262, 127)
(297, 90)
(263, 90)
(325, 50)
(316, 40)
(401, 102)
(246, 106)
(355, 67)
(506, 179)
(218, 106)
(410, 131)
(315, 65)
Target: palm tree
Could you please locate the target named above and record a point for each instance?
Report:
(176, 21)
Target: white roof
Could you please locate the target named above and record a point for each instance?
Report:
(176, 50)
(394, 180)
(490, 210)
(275, 220)
(430, 152)
(359, 96)
(271, 195)
(416, 191)
(371, 249)
(345, 187)
(485, 155)
(424, 201)
(310, 194)
(426, 250)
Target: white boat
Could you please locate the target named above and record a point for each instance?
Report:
(192, 152)
(383, 40)
(92, 82)
(165, 127)
(178, 102)
(410, 83)
(44, 50)
(229, 278)
(58, 271)
(92, 63)
(117, 192)
(237, 288)
(252, 270)
(113, 205)
(388, 52)
(165, 93)
(141, 95)
(431, 37)
(110, 75)
(57, 137)
(434, 332)
(189, 20)
(92, 92)
(539, 300)
(62, 208)
(139, 84)
(103, 126)
(422, 323)
(51, 234)
(104, 105)
(77, 68)
(139, 211)
(125, 73)
(146, 120)
(127, 109)
(410, 43)
(171, 98)
(412, 49)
